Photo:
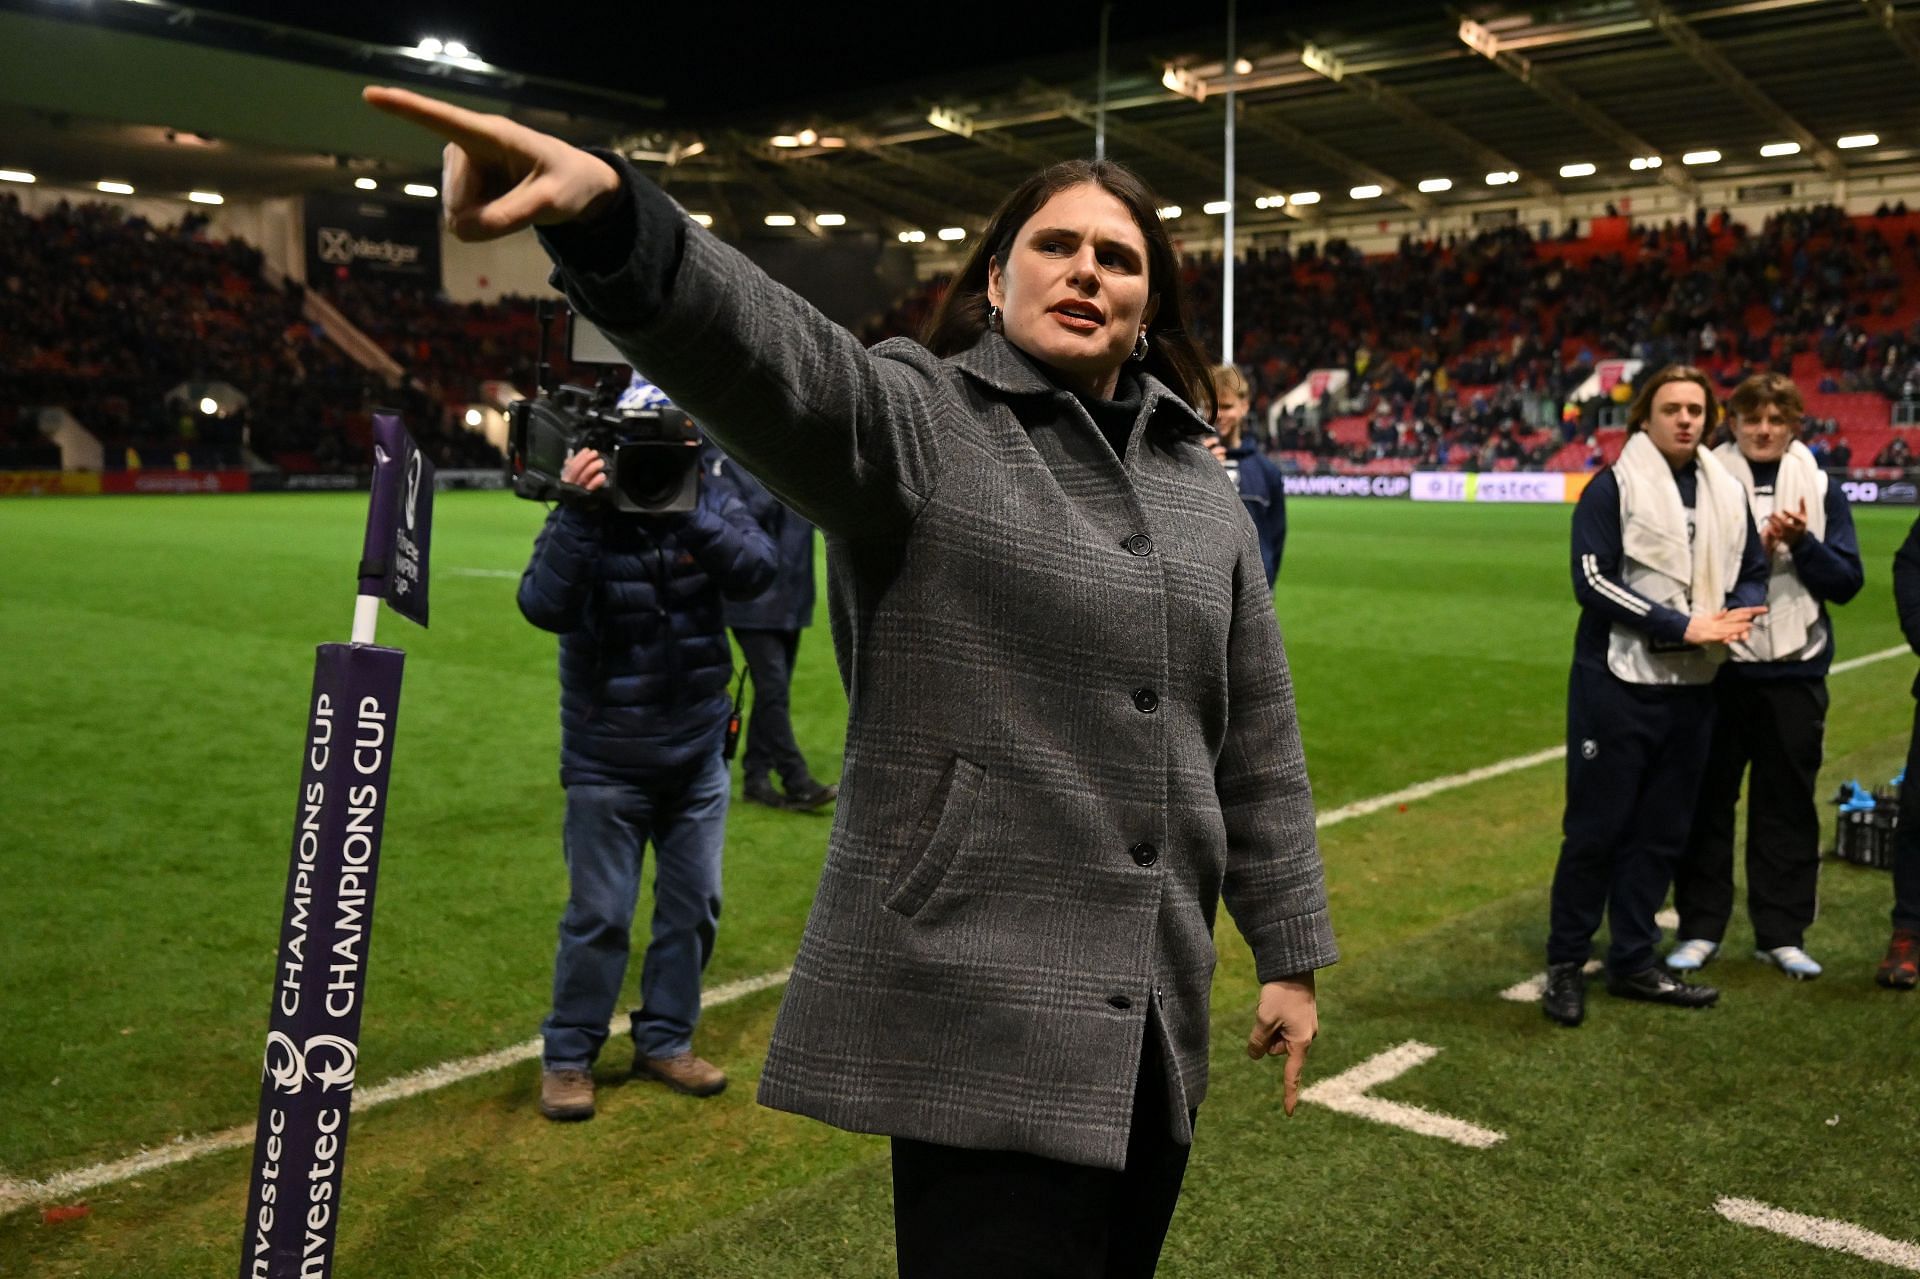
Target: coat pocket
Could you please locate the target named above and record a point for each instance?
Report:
(942, 830)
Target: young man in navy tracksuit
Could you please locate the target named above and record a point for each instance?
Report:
(1901, 968)
(1668, 570)
(1771, 697)
(1260, 482)
(644, 673)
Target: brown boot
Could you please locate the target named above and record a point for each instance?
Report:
(683, 1072)
(566, 1095)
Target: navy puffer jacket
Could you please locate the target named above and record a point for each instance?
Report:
(644, 659)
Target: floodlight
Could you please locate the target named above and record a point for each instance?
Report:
(1304, 197)
(1169, 212)
(1216, 207)
(704, 219)
(1431, 185)
(1854, 141)
(114, 188)
(1368, 191)
(953, 233)
(1581, 170)
(420, 189)
(1701, 157)
(206, 197)
(830, 219)
(16, 175)
(366, 184)
(1780, 148)
(781, 219)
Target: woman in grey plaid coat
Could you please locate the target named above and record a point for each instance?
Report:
(1071, 725)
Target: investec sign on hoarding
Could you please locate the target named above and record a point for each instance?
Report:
(1494, 486)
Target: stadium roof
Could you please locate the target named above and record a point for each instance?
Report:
(1331, 97)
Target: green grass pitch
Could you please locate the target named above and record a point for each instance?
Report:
(157, 654)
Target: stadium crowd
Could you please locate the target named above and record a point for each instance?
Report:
(1459, 351)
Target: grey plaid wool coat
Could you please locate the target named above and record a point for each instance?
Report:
(1071, 726)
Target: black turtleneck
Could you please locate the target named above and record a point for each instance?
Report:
(1114, 417)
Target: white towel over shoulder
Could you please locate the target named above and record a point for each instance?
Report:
(1791, 629)
(1689, 574)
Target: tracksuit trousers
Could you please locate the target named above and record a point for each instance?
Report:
(1906, 841)
(1635, 753)
(1776, 728)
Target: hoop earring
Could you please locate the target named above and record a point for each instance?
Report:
(995, 320)
(1140, 348)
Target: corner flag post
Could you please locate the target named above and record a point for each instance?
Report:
(326, 923)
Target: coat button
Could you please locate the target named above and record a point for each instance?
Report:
(1119, 1001)
(1146, 701)
(1139, 544)
(1145, 854)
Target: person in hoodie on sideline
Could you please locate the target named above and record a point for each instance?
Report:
(1260, 482)
(767, 628)
(1668, 570)
(1771, 698)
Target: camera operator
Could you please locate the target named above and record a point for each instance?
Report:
(644, 669)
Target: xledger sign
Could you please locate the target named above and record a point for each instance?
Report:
(1536, 487)
(363, 237)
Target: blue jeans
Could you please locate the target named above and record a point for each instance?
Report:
(607, 830)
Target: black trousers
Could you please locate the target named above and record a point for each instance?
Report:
(1775, 728)
(1906, 842)
(999, 1214)
(1634, 758)
(770, 745)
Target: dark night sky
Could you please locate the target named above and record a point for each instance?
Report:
(728, 59)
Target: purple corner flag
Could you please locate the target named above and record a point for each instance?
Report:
(393, 562)
(312, 1050)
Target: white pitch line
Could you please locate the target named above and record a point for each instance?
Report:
(481, 572)
(1855, 663)
(1346, 1092)
(17, 1193)
(1821, 1232)
(1439, 784)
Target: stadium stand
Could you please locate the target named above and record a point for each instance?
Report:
(1461, 351)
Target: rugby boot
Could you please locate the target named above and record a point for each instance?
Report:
(1655, 985)
(1692, 955)
(1791, 960)
(1565, 1000)
(1900, 970)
